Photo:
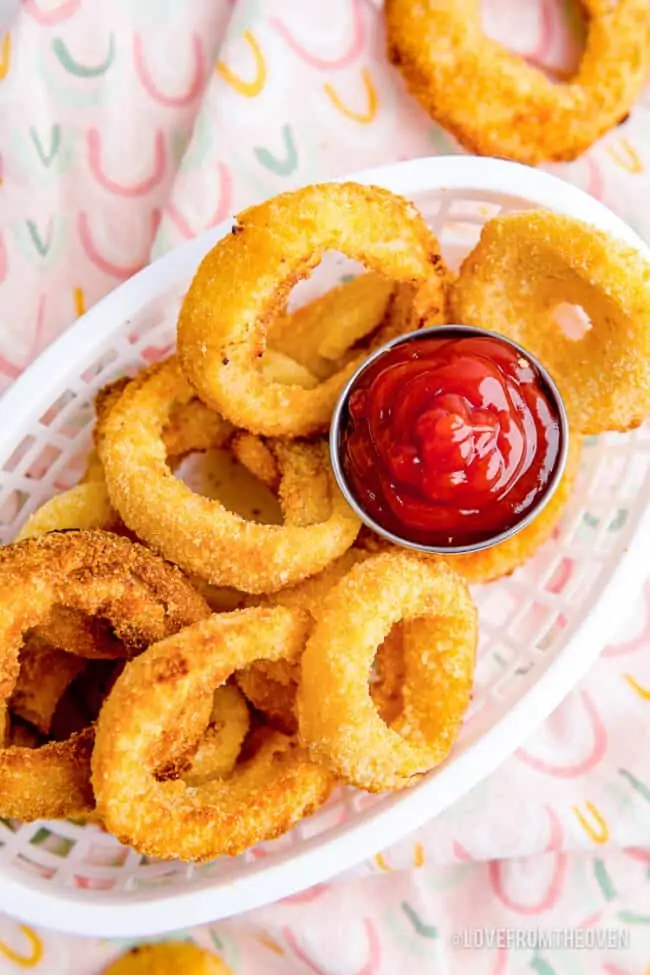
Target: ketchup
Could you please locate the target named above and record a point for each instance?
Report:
(450, 441)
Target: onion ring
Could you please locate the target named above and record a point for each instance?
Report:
(220, 744)
(261, 799)
(319, 334)
(48, 782)
(222, 330)
(45, 673)
(450, 66)
(198, 533)
(342, 727)
(92, 572)
(257, 458)
(84, 506)
(168, 958)
(526, 265)
(501, 560)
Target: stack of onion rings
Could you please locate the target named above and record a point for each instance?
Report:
(356, 658)
(94, 573)
(219, 816)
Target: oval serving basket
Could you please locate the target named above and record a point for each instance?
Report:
(540, 629)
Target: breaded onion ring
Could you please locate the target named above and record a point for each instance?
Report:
(245, 280)
(494, 102)
(257, 458)
(526, 265)
(168, 958)
(502, 559)
(271, 686)
(198, 533)
(45, 673)
(221, 742)
(342, 727)
(84, 506)
(320, 333)
(91, 572)
(48, 782)
(261, 799)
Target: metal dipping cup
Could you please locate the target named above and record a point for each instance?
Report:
(340, 417)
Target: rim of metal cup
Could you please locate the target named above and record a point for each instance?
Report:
(439, 332)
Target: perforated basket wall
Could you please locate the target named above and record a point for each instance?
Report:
(81, 879)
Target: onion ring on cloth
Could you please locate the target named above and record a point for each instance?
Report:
(342, 727)
(168, 958)
(199, 533)
(450, 66)
(211, 740)
(261, 799)
(92, 572)
(525, 268)
(222, 330)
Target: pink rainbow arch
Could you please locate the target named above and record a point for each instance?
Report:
(374, 951)
(348, 57)
(596, 752)
(147, 82)
(95, 257)
(94, 141)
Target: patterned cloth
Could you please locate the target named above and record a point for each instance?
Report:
(128, 126)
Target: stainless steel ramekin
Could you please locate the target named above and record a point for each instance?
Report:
(340, 416)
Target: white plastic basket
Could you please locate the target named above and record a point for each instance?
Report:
(540, 629)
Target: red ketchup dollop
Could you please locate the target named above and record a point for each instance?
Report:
(450, 441)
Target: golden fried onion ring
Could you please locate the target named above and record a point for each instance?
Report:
(92, 572)
(168, 958)
(83, 506)
(502, 559)
(261, 799)
(319, 334)
(451, 67)
(342, 727)
(222, 330)
(198, 533)
(527, 264)
(45, 673)
(219, 747)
